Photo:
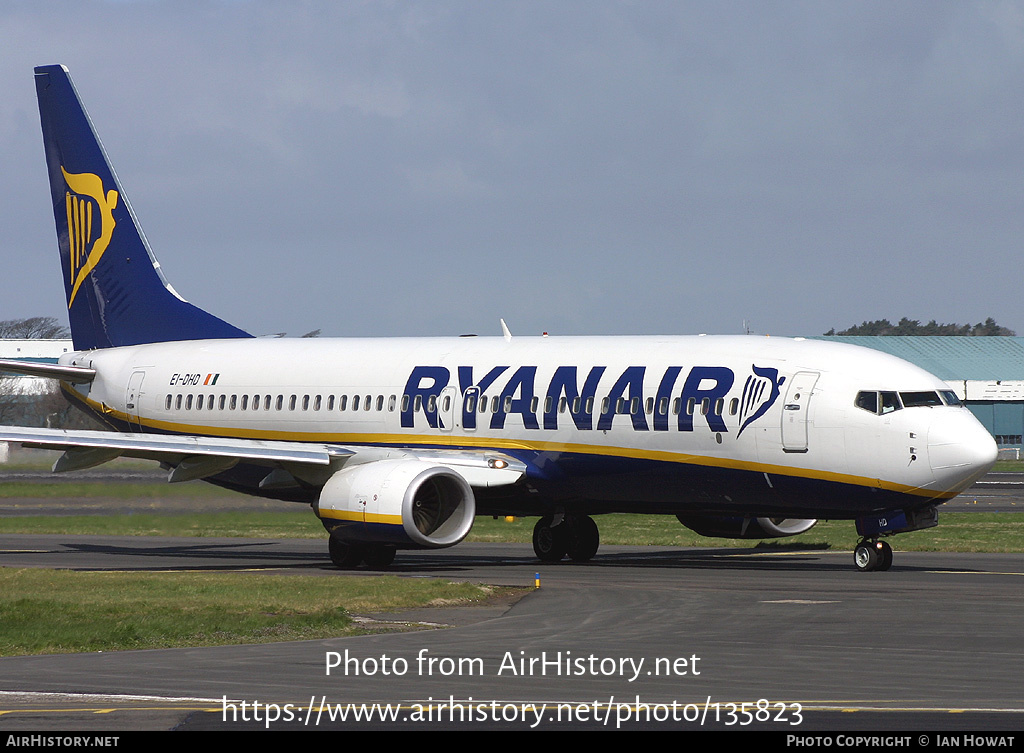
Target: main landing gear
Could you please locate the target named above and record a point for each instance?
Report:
(556, 536)
(350, 556)
(872, 555)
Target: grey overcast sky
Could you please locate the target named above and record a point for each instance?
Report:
(424, 168)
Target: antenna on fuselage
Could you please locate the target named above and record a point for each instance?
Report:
(505, 332)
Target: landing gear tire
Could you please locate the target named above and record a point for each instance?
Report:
(584, 538)
(344, 556)
(886, 555)
(550, 543)
(379, 557)
(872, 555)
(865, 557)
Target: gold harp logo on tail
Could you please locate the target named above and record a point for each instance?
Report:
(90, 224)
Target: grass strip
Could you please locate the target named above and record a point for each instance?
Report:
(956, 532)
(89, 489)
(288, 524)
(54, 611)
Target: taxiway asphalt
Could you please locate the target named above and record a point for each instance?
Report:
(935, 643)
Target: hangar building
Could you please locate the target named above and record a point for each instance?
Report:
(987, 373)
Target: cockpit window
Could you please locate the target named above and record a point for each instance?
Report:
(915, 399)
(867, 401)
(889, 402)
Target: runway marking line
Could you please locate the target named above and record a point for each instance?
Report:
(25, 551)
(215, 705)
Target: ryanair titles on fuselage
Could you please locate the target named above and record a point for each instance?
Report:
(515, 392)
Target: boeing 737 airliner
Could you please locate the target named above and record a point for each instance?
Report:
(398, 443)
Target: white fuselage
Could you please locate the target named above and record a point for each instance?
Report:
(725, 422)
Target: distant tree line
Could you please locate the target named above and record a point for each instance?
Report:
(36, 328)
(988, 328)
(20, 401)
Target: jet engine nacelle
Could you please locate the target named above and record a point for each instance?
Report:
(407, 503)
(745, 528)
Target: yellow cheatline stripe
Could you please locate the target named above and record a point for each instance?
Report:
(359, 517)
(497, 443)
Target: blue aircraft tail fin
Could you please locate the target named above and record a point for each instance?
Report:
(116, 293)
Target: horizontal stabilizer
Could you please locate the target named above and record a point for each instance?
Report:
(73, 374)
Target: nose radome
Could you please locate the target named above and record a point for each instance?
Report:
(960, 449)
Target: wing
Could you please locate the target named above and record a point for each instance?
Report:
(193, 457)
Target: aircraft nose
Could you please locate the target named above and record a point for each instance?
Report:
(960, 449)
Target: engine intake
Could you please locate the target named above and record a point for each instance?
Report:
(745, 528)
(412, 504)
